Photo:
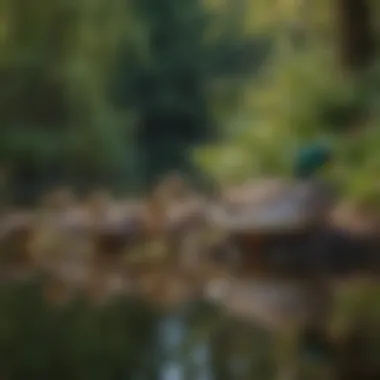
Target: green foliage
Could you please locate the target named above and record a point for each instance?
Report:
(79, 80)
(180, 73)
(302, 96)
(55, 70)
(278, 115)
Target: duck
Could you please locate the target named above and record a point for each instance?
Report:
(266, 218)
(272, 204)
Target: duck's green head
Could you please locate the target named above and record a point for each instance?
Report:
(311, 160)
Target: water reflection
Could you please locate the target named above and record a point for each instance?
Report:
(173, 331)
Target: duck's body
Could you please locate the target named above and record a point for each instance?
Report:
(273, 222)
(272, 206)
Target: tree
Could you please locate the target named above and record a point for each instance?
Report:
(356, 33)
(56, 117)
(172, 68)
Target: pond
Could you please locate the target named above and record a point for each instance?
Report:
(129, 339)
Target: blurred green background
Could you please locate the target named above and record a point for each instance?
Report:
(118, 92)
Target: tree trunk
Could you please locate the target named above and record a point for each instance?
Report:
(356, 43)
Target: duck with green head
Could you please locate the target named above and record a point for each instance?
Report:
(265, 206)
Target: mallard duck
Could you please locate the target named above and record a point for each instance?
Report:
(272, 205)
(276, 213)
